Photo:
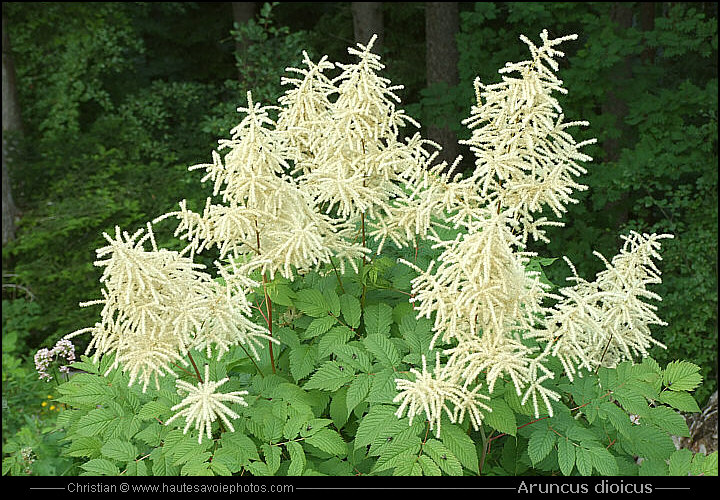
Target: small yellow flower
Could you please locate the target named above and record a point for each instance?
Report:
(50, 396)
(52, 407)
(44, 403)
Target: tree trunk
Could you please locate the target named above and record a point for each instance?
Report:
(647, 23)
(11, 126)
(621, 15)
(368, 21)
(442, 22)
(242, 13)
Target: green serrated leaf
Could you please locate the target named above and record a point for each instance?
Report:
(332, 300)
(152, 410)
(631, 399)
(313, 425)
(583, 461)
(259, 469)
(709, 466)
(236, 453)
(682, 376)
(616, 416)
(311, 302)
(83, 446)
(302, 360)
(355, 355)
(100, 467)
(501, 418)
(378, 318)
(338, 335)
(668, 420)
(351, 311)
(297, 458)
(375, 422)
(511, 456)
(650, 442)
(416, 332)
(152, 434)
(383, 349)
(281, 294)
(399, 452)
(285, 335)
(119, 450)
(96, 422)
(653, 467)
(188, 450)
(513, 401)
(197, 466)
(86, 392)
(680, 462)
(338, 408)
(580, 433)
(328, 441)
(429, 467)
(272, 456)
(330, 377)
(679, 400)
(603, 461)
(383, 388)
(540, 444)
(460, 444)
(318, 326)
(219, 468)
(136, 468)
(357, 391)
(402, 460)
(86, 365)
(292, 427)
(566, 456)
(443, 457)
(161, 464)
(652, 365)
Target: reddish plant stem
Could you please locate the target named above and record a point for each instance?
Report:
(197, 372)
(268, 305)
(337, 275)
(603, 354)
(362, 272)
(261, 311)
(178, 366)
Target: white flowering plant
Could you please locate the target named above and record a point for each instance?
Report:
(372, 311)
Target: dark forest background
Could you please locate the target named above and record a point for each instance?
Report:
(105, 105)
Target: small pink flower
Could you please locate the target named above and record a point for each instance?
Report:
(63, 348)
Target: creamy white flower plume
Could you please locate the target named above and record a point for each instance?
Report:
(604, 322)
(483, 299)
(203, 405)
(158, 304)
(525, 159)
(438, 392)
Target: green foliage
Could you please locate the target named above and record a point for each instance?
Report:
(329, 410)
(29, 409)
(100, 148)
(265, 50)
